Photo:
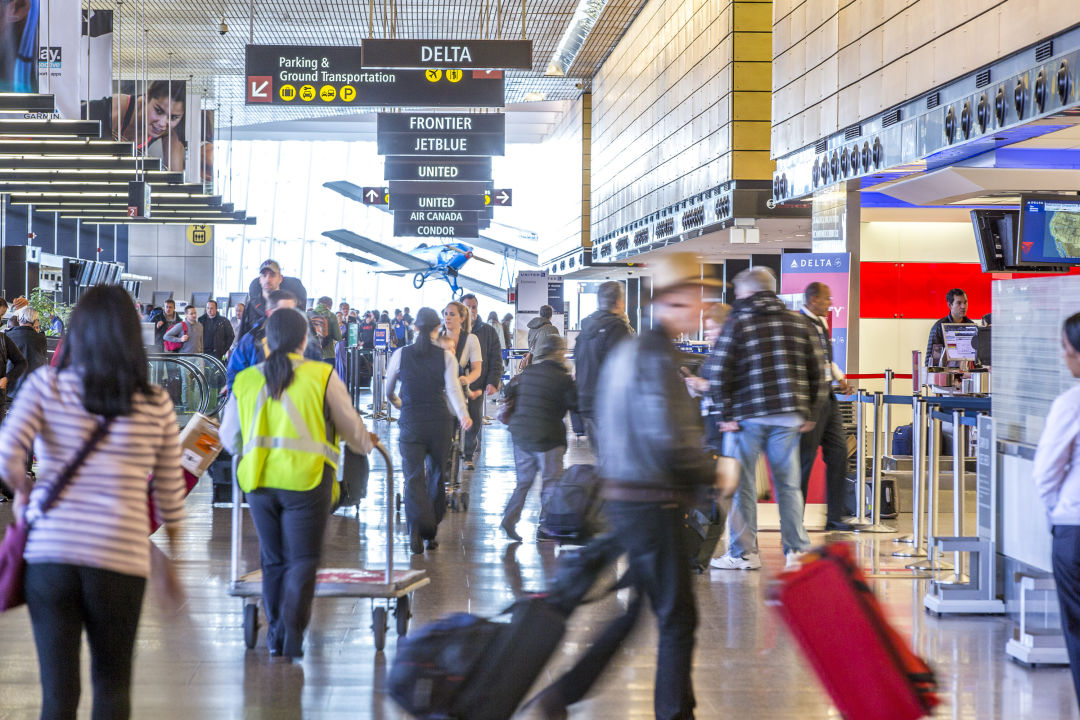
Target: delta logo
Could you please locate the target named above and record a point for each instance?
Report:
(800, 263)
(1025, 247)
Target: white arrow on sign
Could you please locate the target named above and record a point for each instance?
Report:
(258, 90)
(503, 197)
(372, 196)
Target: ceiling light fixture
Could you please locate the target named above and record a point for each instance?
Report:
(581, 24)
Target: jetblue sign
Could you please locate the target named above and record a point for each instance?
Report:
(441, 134)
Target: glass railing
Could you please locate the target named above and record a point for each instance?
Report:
(194, 382)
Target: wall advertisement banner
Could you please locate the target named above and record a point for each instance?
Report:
(19, 46)
(96, 52)
(833, 269)
(153, 116)
(59, 56)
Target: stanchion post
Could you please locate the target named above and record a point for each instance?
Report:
(918, 479)
(888, 411)
(875, 525)
(860, 459)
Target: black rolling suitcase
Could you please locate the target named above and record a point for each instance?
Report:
(703, 527)
(221, 475)
(471, 668)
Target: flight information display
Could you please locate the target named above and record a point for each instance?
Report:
(1049, 230)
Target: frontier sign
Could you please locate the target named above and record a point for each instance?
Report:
(464, 54)
(441, 134)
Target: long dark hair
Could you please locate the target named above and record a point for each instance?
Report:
(286, 331)
(1071, 328)
(104, 345)
(426, 321)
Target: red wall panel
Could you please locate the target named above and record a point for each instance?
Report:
(917, 290)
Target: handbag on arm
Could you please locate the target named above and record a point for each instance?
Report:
(12, 563)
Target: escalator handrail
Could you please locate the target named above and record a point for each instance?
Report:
(209, 360)
(196, 372)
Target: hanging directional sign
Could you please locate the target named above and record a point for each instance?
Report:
(437, 168)
(376, 196)
(404, 226)
(319, 75)
(441, 134)
(503, 197)
(383, 53)
(437, 202)
(439, 216)
(429, 187)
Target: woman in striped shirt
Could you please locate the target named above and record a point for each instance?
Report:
(88, 556)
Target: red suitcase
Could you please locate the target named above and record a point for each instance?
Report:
(866, 666)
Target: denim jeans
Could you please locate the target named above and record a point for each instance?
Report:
(780, 444)
(1066, 564)
(549, 463)
(652, 537)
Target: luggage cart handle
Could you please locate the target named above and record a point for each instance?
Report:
(389, 511)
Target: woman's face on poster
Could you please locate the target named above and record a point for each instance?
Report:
(164, 115)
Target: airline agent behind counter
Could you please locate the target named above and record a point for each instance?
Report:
(276, 422)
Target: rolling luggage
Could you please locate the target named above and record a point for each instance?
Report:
(889, 507)
(470, 668)
(901, 440)
(703, 528)
(571, 508)
(867, 668)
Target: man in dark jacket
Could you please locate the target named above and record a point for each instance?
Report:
(163, 321)
(768, 388)
(541, 326)
(217, 331)
(652, 464)
(600, 333)
(12, 367)
(542, 395)
(269, 280)
(490, 375)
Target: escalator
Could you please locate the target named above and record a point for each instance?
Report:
(193, 381)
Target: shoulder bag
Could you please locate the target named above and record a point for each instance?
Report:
(12, 562)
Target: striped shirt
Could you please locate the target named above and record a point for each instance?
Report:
(100, 519)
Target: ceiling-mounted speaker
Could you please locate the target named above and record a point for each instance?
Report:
(982, 113)
(1062, 80)
(999, 106)
(1040, 91)
(965, 120)
(866, 157)
(950, 125)
(879, 153)
(854, 158)
(834, 166)
(1019, 98)
(844, 162)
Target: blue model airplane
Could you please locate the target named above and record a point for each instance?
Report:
(424, 262)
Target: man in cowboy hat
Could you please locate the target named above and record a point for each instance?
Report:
(652, 464)
(767, 389)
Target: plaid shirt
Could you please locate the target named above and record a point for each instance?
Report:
(767, 362)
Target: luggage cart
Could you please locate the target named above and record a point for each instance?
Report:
(390, 590)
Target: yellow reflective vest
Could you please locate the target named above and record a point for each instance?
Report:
(285, 443)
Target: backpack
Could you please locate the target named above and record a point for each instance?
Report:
(173, 346)
(319, 324)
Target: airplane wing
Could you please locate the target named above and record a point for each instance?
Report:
(358, 242)
(353, 257)
(346, 188)
(355, 192)
(488, 290)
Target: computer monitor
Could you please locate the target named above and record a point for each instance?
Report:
(983, 345)
(960, 341)
(1049, 230)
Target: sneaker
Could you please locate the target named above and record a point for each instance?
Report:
(416, 543)
(727, 562)
(793, 559)
(510, 531)
(470, 465)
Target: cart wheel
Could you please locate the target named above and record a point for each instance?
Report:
(251, 625)
(464, 500)
(402, 612)
(378, 626)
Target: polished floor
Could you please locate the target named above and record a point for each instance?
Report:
(195, 665)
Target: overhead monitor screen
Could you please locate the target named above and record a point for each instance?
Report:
(1049, 230)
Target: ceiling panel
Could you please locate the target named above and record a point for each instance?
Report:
(186, 32)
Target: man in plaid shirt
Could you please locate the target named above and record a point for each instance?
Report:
(767, 385)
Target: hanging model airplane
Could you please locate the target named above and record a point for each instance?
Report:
(441, 261)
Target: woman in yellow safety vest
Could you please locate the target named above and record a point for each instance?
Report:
(276, 422)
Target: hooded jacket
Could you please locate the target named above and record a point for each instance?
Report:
(543, 393)
(600, 333)
(767, 362)
(539, 328)
(255, 308)
(651, 446)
